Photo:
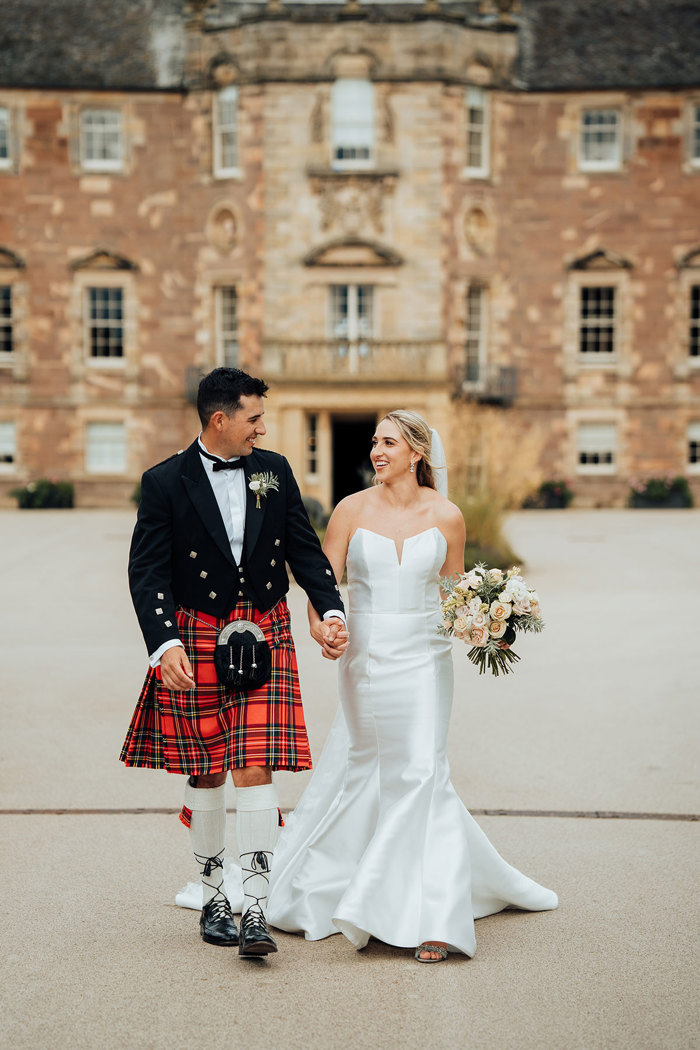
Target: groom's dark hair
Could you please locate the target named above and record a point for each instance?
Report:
(222, 389)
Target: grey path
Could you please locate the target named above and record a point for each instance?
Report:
(601, 716)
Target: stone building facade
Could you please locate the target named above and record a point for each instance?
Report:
(472, 209)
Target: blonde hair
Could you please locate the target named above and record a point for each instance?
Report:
(416, 432)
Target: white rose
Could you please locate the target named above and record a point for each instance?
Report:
(505, 596)
(495, 574)
(498, 628)
(479, 620)
(475, 606)
(253, 486)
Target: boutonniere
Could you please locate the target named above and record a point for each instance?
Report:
(261, 484)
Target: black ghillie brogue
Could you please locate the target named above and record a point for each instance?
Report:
(216, 924)
(255, 937)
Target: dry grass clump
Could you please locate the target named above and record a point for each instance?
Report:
(495, 465)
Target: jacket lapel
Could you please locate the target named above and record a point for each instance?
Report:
(253, 515)
(201, 493)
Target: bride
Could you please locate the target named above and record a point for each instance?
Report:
(380, 845)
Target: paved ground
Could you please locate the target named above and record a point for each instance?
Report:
(601, 716)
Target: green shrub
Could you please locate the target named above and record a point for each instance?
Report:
(44, 494)
(661, 492)
(550, 494)
(136, 495)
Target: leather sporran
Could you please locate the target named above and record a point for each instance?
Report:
(242, 656)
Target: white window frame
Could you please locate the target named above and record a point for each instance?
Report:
(354, 131)
(476, 323)
(114, 360)
(102, 164)
(224, 334)
(596, 445)
(612, 163)
(222, 126)
(8, 445)
(9, 322)
(600, 357)
(6, 137)
(356, 325)
(693, 438)
(476, 100)
(100, 458)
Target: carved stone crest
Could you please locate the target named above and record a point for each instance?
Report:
(351, 205)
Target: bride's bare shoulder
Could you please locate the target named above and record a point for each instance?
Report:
(448, 515)
(349, 508)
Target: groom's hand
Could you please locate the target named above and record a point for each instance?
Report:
(332, 636)
(176, 669)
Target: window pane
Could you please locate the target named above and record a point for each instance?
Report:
(352, 107)
(106, 448)
(597, 444)
(597, 321)
(4, 134)
(227, 322)
(312, 444)
(694, 341)
(105, 322)
(101, 137)
(475, 334)
(226, 130)
(694, 443)
(6, 336)
(477, 140)
(600, 137)
(8, 449)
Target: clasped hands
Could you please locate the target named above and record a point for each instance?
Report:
(332, 636)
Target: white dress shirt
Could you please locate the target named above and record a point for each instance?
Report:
(230, 492)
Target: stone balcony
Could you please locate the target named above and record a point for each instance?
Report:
(355, 362)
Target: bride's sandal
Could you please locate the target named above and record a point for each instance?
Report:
(431, 948)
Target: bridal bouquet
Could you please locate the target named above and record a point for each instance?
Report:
(485, 607)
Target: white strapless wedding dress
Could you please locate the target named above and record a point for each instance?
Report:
(380, 844)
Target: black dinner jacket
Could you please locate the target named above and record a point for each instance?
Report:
(180, 553)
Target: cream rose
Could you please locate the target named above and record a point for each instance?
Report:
(498, 628)
(522, 607)
(505, 596)
(473, 580)
(500, 610)
(495, 574)
(479, 620)
(460, 625)
(479, 636)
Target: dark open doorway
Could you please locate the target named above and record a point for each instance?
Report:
(352, 469)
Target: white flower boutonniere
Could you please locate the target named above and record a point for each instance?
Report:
(261, 484)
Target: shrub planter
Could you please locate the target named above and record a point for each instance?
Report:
(662, 493)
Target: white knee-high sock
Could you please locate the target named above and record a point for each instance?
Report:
(207, 835)
(257, 830)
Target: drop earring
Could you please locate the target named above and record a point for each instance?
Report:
(411, 468)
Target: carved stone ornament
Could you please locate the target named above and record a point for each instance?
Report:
(478, 231)
(103, 259)
(222, 229)
(351, 205)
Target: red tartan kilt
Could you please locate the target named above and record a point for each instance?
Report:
(212, 728)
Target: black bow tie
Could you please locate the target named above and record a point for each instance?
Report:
(222, 464)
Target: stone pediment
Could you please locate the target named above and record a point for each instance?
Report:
(102, 259)
(10, 260)
(602, 259)
(352, 252)
(691, 260)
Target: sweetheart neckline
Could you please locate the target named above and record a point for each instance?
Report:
(399, 557)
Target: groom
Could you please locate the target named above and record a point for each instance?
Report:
(216, 525)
